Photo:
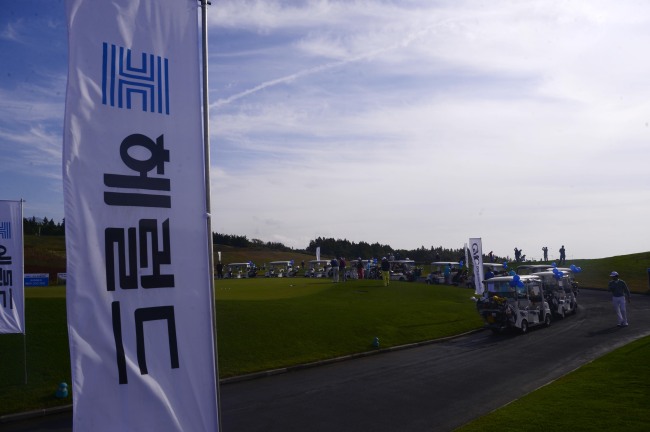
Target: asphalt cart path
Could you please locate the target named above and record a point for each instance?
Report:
(435, 387)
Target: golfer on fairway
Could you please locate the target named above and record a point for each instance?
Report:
(620, 294)
(385, 271)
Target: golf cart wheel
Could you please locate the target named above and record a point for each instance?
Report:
(524, 327)
(547, 319)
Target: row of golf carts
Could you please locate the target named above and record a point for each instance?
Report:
(402, 270)
(249, 270)
(534, 296)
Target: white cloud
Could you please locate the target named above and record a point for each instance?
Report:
(425, 123)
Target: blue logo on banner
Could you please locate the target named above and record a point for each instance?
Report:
(127, 80)
(5, 230)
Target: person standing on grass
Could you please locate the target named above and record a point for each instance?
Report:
(620, 295)
(335, 270)
(360, 268)
(385, 271)
(342, 265)
(447, 274)
(563, 255)
(219, 270)
(545, 250)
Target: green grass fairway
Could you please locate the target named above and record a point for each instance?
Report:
(48, 356)
(270, 323)
(609, 394)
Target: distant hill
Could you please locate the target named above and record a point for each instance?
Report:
(46, 254)
(259, 256)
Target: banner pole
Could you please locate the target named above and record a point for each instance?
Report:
(22, 233)
(208, 204)
(25, 355)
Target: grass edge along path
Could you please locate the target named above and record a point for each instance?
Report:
(609, 393)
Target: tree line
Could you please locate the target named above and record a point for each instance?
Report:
(342, 247)
(328, 246)
(44, 227)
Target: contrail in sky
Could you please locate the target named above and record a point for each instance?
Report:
(403, 43)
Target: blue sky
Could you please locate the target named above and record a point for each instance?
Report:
(410, 123)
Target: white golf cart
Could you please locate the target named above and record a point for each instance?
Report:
(404, 270)
(437, 274)
(317, 268)
(571, 272)
(559, 293)
(513, 302)
(239, 271)
(280, 269)
(496, 269)
(368, 268)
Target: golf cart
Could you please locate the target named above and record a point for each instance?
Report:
(496, 269)
(490, 270)
(571, 272)
(240, 271)
(558, 292)
(353, 271)
(404, 270)
(513, 302)
(437, 275)
(281, 269)
(317, 268)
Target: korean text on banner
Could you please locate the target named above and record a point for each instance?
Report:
(476, 249)
(12, 288)
(140, 312)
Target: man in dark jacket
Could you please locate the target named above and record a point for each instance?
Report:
(620, 295)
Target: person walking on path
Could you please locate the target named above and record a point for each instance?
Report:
(385, 271)
(620, 295)
(545, 250)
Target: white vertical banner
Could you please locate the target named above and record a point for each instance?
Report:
(140, 309)
(12, 279)
(318, 253)
(476, 250)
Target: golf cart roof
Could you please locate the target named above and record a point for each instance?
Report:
(318, 261)
(452, 263)
(239, 264)
(522, 278)
(279, 262)
(493, 265)
(565, 269)
(548, 273)
(534, 267)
